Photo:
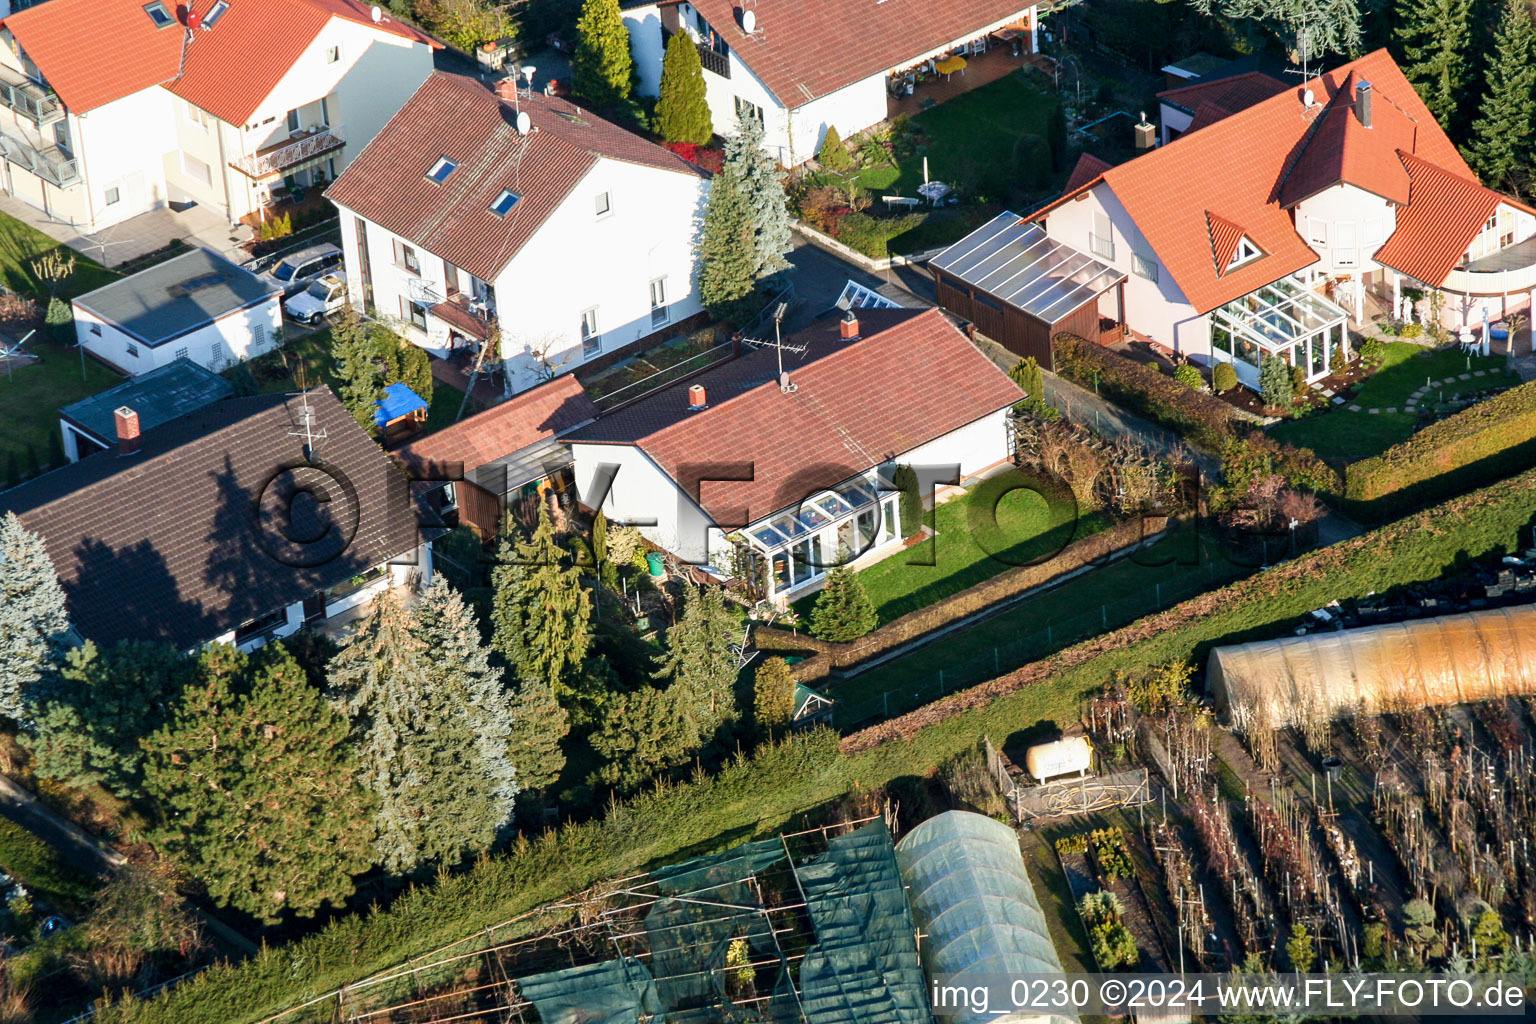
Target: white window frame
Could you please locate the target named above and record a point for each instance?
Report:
(603, 203)
(333, 54)
(443, 166)
(181, 353)
(1317, 232)
(1246, 252)
(159, 15)
(132, 350)
(507, 196)
(1144, 266)
(197, 115)
(591, 333)
(113, 196)
(217, 11)
(1101, 236)
(660, 313)
(196, 169)
(216, 355)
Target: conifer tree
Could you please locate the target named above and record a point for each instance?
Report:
(700, 663)
(432, 723)
(601, 67)
(762, 186)
(256, 787)
(607, 569)
(34, 621)
(540, 613)
(910, 500)
(650, 732)
(728, 253)
(539, 725)
(843, 611)
(89, 720)
(773, 694)
(833, 155)
(682, 109)
(1504, 132)
(355, 366)
(1434, 37)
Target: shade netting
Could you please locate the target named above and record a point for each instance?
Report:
(972, 899)
(1425, 662)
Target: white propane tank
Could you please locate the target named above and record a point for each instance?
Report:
(1063, 757)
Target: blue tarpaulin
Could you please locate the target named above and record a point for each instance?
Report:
(398, 401)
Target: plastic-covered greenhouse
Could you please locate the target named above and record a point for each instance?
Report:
(974, 903)
(1424, 662)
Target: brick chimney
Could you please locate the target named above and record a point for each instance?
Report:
(848, 330)
(506, 88)
(127, 430)
(696, 398)
(1363, 103)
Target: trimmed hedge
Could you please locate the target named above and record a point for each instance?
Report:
(1474, 445)
(31, 861)
(753, 796)
(1097, 547)
(1202, 419)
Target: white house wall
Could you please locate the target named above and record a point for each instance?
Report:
(974, 447)
(1351, 224)
(123, 145)
(642, 495)
(237, 334)
(645, 47)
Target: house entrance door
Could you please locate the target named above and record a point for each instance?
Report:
(314, 607)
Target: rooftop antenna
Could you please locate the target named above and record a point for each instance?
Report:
(307, 427)
(780, 346)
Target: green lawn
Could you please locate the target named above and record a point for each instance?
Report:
(1338, 433)
(32, 396)
(972, 543)
(21, 244)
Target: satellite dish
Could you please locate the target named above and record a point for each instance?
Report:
(376, 14)
(524, 122)
(748, 20)
(1309, 97)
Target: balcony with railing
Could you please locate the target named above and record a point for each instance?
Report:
(715, 61)
(287, 157)
(1511, 269)
(28, 99)
(48, 162)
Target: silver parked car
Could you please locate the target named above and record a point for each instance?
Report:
(297, 269)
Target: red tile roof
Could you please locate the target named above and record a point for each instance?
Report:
(95, 51)
(522, 420)
(465, 121)
(1239, 92)
(1224, 238)
(1206, 114)
(805, 49)
(1089, 168)
(1240, 167)
(912, 378)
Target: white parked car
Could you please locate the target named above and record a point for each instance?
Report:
(323, 295)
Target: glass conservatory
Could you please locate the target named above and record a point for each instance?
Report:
(801, 545)
(1285, 319)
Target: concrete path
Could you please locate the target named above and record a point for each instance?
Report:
(136, 236)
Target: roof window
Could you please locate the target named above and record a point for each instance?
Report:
(159, 15)
(215, 13)
(440, 170)
(1246, 253)
(504, 202)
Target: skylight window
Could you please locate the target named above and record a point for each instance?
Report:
(159, 15)
(504, 202)
(440, 170)
(215, 13)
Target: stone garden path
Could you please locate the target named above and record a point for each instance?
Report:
(1411, 403)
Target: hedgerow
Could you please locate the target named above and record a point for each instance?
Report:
(758, 794)
(1476, 444)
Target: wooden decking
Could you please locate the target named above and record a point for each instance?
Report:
(996, 63)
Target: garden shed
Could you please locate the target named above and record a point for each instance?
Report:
(1448, 659)
(1021, 288)
(976, 909)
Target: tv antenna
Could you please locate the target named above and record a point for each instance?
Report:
(307, 427)
(780, 346)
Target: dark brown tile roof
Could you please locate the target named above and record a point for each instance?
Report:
(1237, 92)
(805, 49)
(187, 539)
(911, 378)
(522, 420)
(463, 119)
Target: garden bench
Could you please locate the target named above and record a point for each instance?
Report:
(900, 201)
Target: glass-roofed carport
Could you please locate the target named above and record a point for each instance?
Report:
(1285, 319)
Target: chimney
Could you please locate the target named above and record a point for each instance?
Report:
(1363, 103)
(127, 430)
(506, 89)
(848, 330)
(696, 398)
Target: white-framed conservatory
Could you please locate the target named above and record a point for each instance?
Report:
(800, 545)
(1285, 319)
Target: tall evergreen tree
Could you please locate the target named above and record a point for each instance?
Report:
(763, 188)
(651, 732)
(1435, 36)
(773, 694)
(682, 108)
(541, 613)
(89, 720)
(539, 725)
(728, 253)
(700, 662)
(1504, 132)
(843, 611)
(34, 622)
(256, 787)
(1310, 28)
(433, 724)
(601, 68)
(355, 367)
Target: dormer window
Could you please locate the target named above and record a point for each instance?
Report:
(504, 202)
(215, 13)
(159, 15)
(440, 170)
(1246, 252)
